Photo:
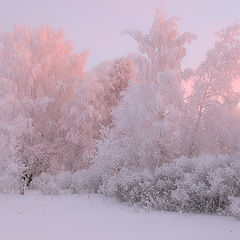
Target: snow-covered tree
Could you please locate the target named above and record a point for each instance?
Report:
(89, 108)
(146, 122)
(39, 69)
(39, 61)
(211, 122)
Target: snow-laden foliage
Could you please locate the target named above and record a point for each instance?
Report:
(211, 122)
(65, 182)
(10, 179)
(146, 122)
(234, 208)
(89, 109)
(38, 70)
(204, 184)
(47, 184)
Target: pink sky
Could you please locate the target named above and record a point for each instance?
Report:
(97, 24)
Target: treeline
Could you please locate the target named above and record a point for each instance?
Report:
(125, 124)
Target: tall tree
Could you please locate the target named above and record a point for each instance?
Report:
(89, 108)
(145, 131)
(41, 69)
(211, 124)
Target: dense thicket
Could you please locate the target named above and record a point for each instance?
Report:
(127, 128)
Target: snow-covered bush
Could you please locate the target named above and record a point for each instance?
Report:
(130, 186)
(47, 184)
(86, 181)
(11, 181)
(205, 184)
(54, 184)
(235, 206)
(66, 182)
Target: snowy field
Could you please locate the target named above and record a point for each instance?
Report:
(93, 217)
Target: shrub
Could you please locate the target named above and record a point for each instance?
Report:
(47, 184)
(204, 184)
(10, 181)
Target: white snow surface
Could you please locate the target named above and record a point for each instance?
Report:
(91, 216)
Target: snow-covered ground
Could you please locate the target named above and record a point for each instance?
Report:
(93, 217)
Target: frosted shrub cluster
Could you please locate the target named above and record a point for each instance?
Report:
(204, 184)
(47, 184)
(83, 181)
(10, 180)
(235, 206)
